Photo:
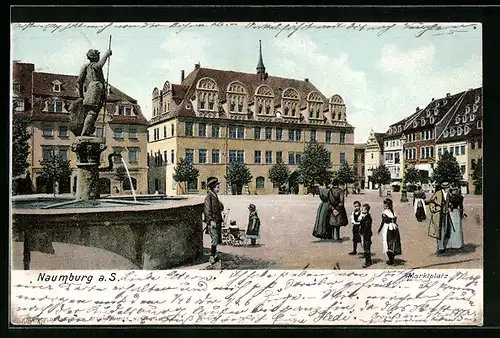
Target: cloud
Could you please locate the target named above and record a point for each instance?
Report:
(407, 63)
(182, 51)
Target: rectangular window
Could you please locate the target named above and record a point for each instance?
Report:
(99, 131)
(63, 131)
(63, 153)
(236, 156)
(202, 156)
(256, 133)
(189, 129)
(473, 164)
(462, 149)
(457, 150)
(119, 132)
(202, 130)
(47, 153)
(215, 156)
(190, 155)
(473, 144)
(279, 134)
(58, 106)
(440, 152)
(236, 132)
(479, 144)
(342, 158)
(397, 158)
(269, 157)
(279, 156)
(269, 131)
(165, 156)
(172, 129)
(132, 156)
(47, 129)
(215, 131)
(313, 135)
(291, 158)
(132, 133)
(298, 158)
(294, 135)
(257, 155)
(172, 156)
(342, 138)
(328, 136)
(462, 169)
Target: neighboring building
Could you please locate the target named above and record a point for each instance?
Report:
(374, 157)
(215, 117)
(44, 98)
(393, 150)
(460, 133)
(359, 164)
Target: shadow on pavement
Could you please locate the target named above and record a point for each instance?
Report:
(342, 240)
(466, 249)
(237, 262)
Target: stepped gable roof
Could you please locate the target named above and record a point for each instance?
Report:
(453, 128)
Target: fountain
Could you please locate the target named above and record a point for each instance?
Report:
(152, 231)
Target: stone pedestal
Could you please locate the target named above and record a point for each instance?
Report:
(88, 150)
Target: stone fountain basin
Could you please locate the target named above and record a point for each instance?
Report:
(156, 232)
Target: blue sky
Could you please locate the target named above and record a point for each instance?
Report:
(382, 77)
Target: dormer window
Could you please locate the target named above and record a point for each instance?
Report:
(475, 108)
(56, 86)
(427, 113)
(400, 128)
(478, 98)
(467, 109)
(466, 129)
(389, 131)
(446, 133)
(480, 124)
(422, 122)
(18, 105)
(415, 124)
(457, 119)
(465, 118)
(445, 102)
(125, 110)
(431, 119)
(472, 117)
(452, 131)
(459, 130)
(55, 106)
(436, 111)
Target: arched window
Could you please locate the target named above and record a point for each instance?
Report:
(126, 183)
(236, 96)
(259, 182)
(207, 94)
(335, 100)
(314, 105)
(290, 99)
(264, 97)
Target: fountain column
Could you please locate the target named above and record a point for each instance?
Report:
(88, 150)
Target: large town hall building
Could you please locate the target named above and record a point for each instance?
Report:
(216, 117)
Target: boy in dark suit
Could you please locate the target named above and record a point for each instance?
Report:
(365, 224)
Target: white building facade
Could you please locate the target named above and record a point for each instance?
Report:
(393, 152)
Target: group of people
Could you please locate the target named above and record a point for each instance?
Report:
(332, 215)
(212, 212)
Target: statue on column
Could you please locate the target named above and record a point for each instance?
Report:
(92, 90)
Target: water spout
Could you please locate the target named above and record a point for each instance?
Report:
(129, 178)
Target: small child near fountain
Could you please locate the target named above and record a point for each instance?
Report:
(253, 229)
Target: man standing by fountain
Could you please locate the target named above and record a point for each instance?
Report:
(213, 216)
(92, 88)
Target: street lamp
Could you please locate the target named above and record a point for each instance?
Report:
(404, 197)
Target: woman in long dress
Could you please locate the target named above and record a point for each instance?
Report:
(391, 241)
(322, 228)
(457, 214)
(419, 205)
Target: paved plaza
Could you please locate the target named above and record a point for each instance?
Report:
(287, 243)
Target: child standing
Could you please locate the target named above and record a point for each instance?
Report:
(365, 224)
(356, 237)
(253, 224)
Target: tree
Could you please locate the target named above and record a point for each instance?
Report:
(447, 170)
(381, 175)
(279, 174)
(345, 175)
(477, 178)
(412, 175)
(185, 172)
(20, 146)
(55, 170)
(121, 175)
(315, 167)
(238, 175)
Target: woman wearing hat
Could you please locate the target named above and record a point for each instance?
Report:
(213, 216)
(253, 228)
(457, 214)
(440, 225)
(91, 86)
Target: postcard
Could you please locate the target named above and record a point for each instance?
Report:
(257, 173)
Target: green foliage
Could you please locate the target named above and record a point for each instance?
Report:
(185, 171)
(381, 175)
(412, 175)
(20, 146)
(315, 167)
(424, 176)
(447, 170)
(345, 174)
(279, 173)
(56, 169)
(238, 174)
(477, 178)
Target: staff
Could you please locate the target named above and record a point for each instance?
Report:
(106, 91)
